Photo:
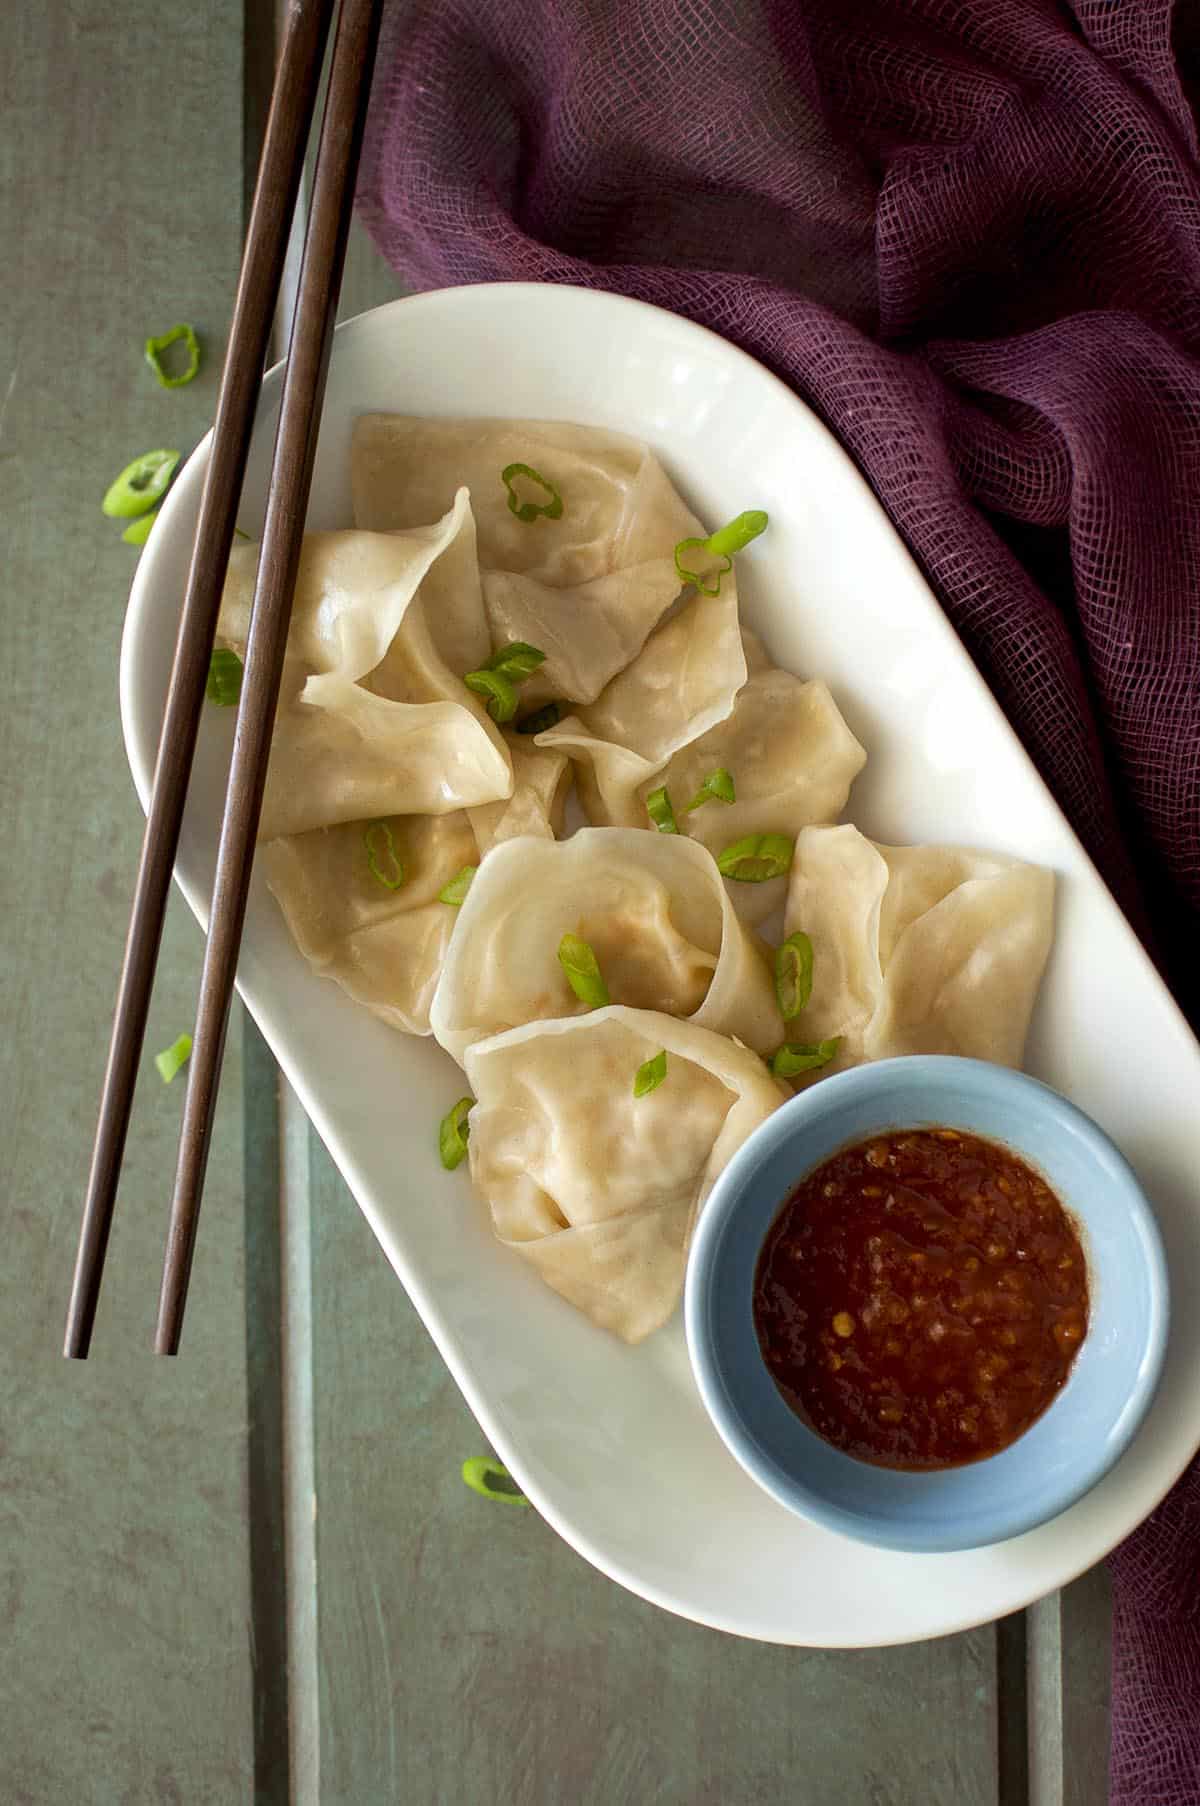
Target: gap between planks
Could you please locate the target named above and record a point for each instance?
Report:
(299, 1451)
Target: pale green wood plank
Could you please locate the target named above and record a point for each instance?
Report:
(127, 1672)
(1069, 1692)
(1086, 1704)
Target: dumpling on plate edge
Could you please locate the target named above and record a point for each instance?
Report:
(597, 1188)
(373, 716)
(921, 949)
(653, 909)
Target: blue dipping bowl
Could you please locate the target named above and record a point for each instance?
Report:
(1111, 1384)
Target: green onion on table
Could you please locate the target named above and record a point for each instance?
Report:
(142, 483)
(181, 334)
(492, 1480)
(173, 1059)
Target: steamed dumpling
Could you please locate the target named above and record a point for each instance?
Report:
(384, 947)
(790, 753)
(682, 683)
(373, 717)
(792, 759)
(596, 1188)
(652, 907)
(541, 779)
(619, 506)
(917, 949)
(589, 632)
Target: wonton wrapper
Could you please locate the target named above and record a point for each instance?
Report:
(917, 949)
(597, 1188)
(385, 947)
(682, 683)
(619, 507)
(589, 633)
(790, 753)
(653, 909)
(541, 779)
(792, 759)
(372, 719)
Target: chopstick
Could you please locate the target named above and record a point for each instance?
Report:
(285, 142)
(279, 559)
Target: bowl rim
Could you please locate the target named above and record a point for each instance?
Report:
(937, 1074)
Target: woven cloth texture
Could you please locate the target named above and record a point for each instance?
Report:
(967, 233)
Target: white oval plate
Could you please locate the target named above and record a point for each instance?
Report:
(611, 1443)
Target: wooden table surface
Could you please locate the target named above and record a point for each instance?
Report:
(252, 1574)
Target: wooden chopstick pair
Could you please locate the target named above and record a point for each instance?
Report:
(292, 104)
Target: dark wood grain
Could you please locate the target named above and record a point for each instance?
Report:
(278, 564)
(253, 315)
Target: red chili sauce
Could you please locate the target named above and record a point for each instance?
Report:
(920, 1298)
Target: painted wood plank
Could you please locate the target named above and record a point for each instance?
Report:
(124, 1593)
(1069, 1660)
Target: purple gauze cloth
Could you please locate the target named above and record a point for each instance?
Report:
(967, 233)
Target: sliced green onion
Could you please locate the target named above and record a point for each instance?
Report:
(500, 692)
(224, 684)
(687, 575)
(516, 661)
(174, 1058)
(650, 1074)
(155, 348)
(721, 544)
(583, 971)
(541, 719)
(140, 484)
(738, 534)
(794, 975)
(492, 1480)
(528, 511)
(238, 534)
(658, 808)
(138, 531)
(456, 891)
(453, 1131)
(788, 1061)
(756, 858)
(717, 787)
(382, 857)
